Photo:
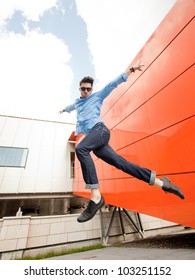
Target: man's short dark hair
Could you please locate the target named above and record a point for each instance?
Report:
(87, 79)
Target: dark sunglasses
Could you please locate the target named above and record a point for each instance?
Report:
(86, 88)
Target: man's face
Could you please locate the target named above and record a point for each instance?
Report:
(85, 89)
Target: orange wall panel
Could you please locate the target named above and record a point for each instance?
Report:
(152, 122)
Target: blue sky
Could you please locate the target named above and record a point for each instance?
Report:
(47, 46)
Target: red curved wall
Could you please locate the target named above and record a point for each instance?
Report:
(152, 123)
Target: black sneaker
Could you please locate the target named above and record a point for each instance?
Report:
(90, 211)
(169, 187)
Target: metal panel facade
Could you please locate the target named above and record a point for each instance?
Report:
(48, 165)
(152, 123)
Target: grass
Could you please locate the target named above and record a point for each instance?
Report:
(63, 252)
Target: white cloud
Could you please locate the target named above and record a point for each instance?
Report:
(33, 74)
(35, 77)
(117, 30)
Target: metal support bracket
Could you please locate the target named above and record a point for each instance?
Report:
(138, 228)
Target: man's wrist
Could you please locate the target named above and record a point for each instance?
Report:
(132, 70)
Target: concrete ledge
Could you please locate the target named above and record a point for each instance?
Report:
(21, 235)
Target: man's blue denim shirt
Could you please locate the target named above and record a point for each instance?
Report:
(88, 109)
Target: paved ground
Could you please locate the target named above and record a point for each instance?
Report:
(177, 246)
(115, 253)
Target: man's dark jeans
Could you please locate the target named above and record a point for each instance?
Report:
(97, 141)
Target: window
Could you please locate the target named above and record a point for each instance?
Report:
(72, 156)
(13, 157)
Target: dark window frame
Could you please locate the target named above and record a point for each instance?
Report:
(72, 160)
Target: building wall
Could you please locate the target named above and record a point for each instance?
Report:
(152, 123)
(47, 168)
(44, 182)
(30, 236)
